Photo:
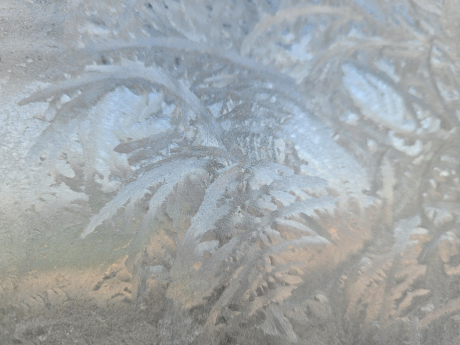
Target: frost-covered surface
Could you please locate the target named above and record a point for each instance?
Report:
(229, 172)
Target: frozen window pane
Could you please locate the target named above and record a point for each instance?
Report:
(229, 172)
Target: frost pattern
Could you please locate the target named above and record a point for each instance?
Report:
(261, 172)
(377, 100)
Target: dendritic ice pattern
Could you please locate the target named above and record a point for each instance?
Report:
(229, 172)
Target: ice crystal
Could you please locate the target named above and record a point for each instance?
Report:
(226, 163)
